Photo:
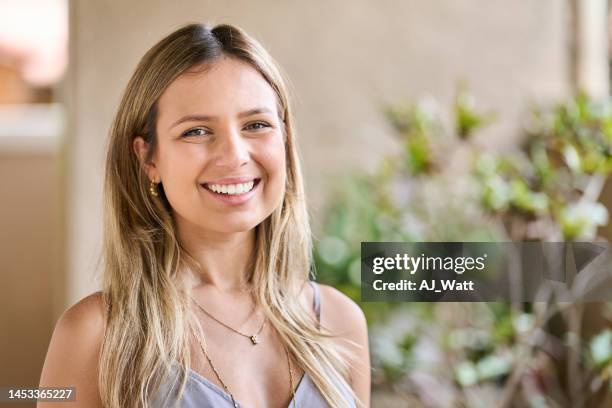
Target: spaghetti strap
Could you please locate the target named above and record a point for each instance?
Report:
(316, 301)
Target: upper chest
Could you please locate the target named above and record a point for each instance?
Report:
(255, 373)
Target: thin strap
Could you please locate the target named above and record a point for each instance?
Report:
(316, 301)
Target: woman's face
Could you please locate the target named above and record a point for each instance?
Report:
(220, 154)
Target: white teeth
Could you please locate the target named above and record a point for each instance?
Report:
(232, 189)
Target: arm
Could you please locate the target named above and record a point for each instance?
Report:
(72, 357)
(344, 318)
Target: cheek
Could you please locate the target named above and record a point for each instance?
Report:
(276, 167)
(179, 168)
(274, 161)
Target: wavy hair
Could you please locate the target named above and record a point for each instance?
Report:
(147, 300)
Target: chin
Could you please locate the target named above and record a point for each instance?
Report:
(233, 227)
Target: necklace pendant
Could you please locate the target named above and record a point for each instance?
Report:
(254, 339)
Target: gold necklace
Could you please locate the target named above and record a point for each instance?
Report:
(253, 337)
(226, 388)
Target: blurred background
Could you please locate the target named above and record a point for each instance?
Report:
(417, 121)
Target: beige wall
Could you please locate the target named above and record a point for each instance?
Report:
(345, 59)
(30, 250)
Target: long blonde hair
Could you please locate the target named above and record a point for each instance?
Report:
(148, 314)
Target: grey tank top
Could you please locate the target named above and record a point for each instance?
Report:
(202, 393)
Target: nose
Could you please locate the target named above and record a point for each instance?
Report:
(232, 151)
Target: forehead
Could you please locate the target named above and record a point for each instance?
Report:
(224, 87)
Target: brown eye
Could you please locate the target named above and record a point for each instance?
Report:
(257, 126)
(195, 132)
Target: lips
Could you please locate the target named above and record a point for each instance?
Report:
(232, 180)
(235, 199)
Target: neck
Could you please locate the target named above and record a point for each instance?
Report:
(223, 257)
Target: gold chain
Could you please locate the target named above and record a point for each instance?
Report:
(253, 337)
(226, 388)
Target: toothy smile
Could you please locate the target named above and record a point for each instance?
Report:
(231, 189)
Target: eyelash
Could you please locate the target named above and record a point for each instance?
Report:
(263, 126)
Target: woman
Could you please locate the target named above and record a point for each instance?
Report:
(206, 296)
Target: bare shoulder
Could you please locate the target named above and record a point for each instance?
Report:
(88, 313)
(339, 313)
(73, 353)
(345, 319)
(82, 324)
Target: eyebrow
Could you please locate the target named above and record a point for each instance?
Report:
(209, 118)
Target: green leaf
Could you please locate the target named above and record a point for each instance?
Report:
(467, 119)
(466, 374)
(601, 348)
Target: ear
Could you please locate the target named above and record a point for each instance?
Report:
(141, 148)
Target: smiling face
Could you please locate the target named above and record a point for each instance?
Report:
(220, 153)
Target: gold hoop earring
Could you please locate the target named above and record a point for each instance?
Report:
(153, 188)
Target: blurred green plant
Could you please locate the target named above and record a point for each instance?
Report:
(549, 190)
(467, 119)
(442, 186)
